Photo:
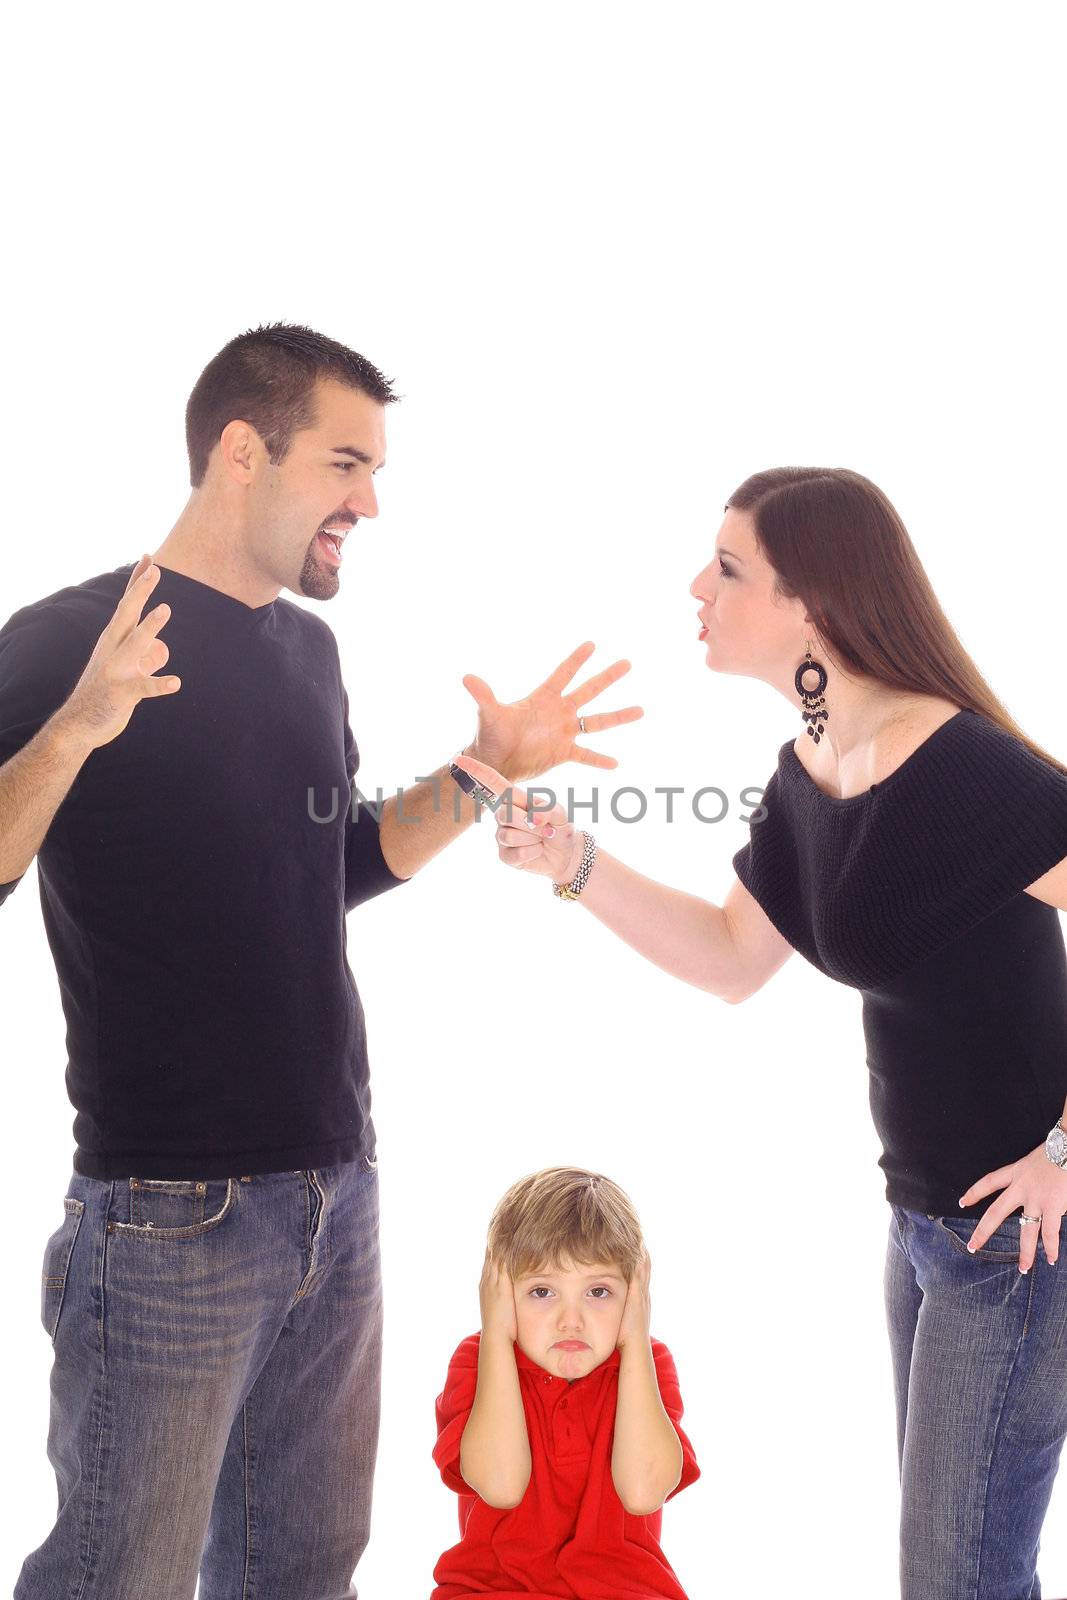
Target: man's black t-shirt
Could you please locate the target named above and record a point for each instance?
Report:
(194, 884)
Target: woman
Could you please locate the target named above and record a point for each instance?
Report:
(913, 844)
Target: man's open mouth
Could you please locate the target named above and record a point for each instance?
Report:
(333, 538)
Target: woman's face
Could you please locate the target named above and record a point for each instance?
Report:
(748, 629)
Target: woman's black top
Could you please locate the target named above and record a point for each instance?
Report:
(914, 893)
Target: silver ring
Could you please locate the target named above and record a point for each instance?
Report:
(1028, 1219)
(581, 724)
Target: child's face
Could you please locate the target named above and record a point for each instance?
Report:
(568, 1317)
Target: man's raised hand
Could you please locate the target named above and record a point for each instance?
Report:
(121, 670)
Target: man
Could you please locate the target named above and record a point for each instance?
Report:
(213, 1293)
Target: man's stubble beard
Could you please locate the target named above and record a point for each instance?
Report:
(315, 581)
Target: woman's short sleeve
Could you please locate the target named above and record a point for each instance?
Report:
(869, 886)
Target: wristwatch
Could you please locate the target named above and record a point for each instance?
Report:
(571, 891)
(472, 787)
(1056, 1146)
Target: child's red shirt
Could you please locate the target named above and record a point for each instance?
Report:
(570, 1535)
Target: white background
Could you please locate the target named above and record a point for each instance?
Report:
(616, 257)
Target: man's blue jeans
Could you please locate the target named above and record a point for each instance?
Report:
(215, 1388)
(980, 1371)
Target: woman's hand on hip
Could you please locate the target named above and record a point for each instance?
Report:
(1040, 1187)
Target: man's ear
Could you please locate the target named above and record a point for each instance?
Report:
(239, 445)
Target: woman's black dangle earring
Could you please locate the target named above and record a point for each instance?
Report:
(815, 714)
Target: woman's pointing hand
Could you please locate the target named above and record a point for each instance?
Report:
(532, 840)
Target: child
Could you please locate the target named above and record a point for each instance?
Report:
(558, 1425)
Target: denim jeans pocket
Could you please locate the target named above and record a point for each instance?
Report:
(1002, 1244)
(57, 1254)
(174, 1208)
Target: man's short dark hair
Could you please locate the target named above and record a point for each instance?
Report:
(267, 377)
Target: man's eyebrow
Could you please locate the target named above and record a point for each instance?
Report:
(350, 450)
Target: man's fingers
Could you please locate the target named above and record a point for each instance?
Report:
(149, 663)
(153, 656)
(592, 758)
(139, 638)
(558, 680)
(599, 720)
(157, 686)
(138, 568)
(133, 601)
(598, 683)
(142, 645)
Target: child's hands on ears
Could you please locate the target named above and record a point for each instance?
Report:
(637, 1311)
(533, 840)
(497, 1295)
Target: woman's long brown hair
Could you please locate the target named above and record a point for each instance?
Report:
(835, 542)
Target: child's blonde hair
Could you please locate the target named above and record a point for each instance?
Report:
(565, 1214)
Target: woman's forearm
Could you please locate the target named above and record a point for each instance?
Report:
(685, 935)
(646, 1454)
(494, 1453)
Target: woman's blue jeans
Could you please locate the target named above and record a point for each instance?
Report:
(980, 1372)
(215, 1387)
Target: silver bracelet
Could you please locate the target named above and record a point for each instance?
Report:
(571, 891)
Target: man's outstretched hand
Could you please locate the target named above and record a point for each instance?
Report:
(524, 738)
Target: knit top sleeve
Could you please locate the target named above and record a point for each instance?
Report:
(866, 885)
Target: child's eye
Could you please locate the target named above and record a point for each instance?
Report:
(601, 1292)
(540, 1292)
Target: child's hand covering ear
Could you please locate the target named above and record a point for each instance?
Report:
(497, 1295)
(637, 1312)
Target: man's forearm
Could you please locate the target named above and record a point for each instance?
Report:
(646, 1455)
(419, 822)
(494, 1453)
(34, 782)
